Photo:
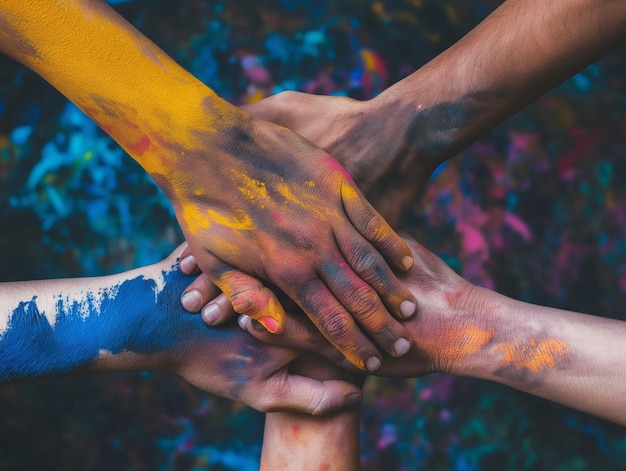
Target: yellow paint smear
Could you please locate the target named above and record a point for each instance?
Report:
(249, 187)
(197, 218)
(304, 201)
(89, 53)
(194, 218)
(240, 222)
(349, 194)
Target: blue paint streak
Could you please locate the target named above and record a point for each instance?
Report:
(129, 321)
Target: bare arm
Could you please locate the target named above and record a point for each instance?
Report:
(255, 200)
(392, 143)
(519, 52)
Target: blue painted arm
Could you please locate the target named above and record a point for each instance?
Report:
(57, 329)
(134, 321)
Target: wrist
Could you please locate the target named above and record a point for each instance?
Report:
(437, 122)
(477, 327)
(459, 339)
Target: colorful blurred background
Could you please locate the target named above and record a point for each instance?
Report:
(534, 210)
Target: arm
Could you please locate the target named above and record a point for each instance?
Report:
(570, 358)
(293, 441)
(255, 200)
(519, 52)
(133, 321)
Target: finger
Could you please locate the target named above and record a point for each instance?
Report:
(308, 396)
(187, 262)
(246, 294)
(299, 333)
(375, 229)
(366, 307)
(218, 311)
(198, 294)
(336, 324)
(372, 268)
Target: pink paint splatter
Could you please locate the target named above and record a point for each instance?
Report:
(336, 166)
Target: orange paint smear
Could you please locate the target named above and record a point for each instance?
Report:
(460, 343)
(532, 355)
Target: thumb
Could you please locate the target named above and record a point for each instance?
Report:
(309, 396)
(279, 108)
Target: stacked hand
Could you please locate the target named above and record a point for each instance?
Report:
(441, 330)
(285, 211)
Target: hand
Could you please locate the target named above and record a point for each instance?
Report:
(301, 224)
(388, 158)
(388, 150)
(446, 331)
(254, 200)
(133, 321)
(296, 441)
(228, 362)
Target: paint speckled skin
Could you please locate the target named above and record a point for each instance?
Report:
(252, 198)
(292, 442)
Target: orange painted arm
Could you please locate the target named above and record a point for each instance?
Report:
(570, 358)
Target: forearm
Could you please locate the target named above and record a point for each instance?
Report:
(131, 88)
(570, 358)
(113, 323)
(297, 441)
(519, 52)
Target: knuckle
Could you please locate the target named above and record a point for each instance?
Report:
(337, 325)
(306, 242)
(318, 405)
(264, 404)
(366, 262)
(374, 228)
(285, 98)
(308, 293)
(244, 300)
(363, 301)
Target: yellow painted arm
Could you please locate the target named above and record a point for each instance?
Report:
(123, 81)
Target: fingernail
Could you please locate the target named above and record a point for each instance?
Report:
(256, 325)
(191, 300)
(270, 324)
(352, 400)
(188, 264)
(243, 321)
(401, 347)
(407, 262)
(211, 313)
(407, 308)
(372, 363)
